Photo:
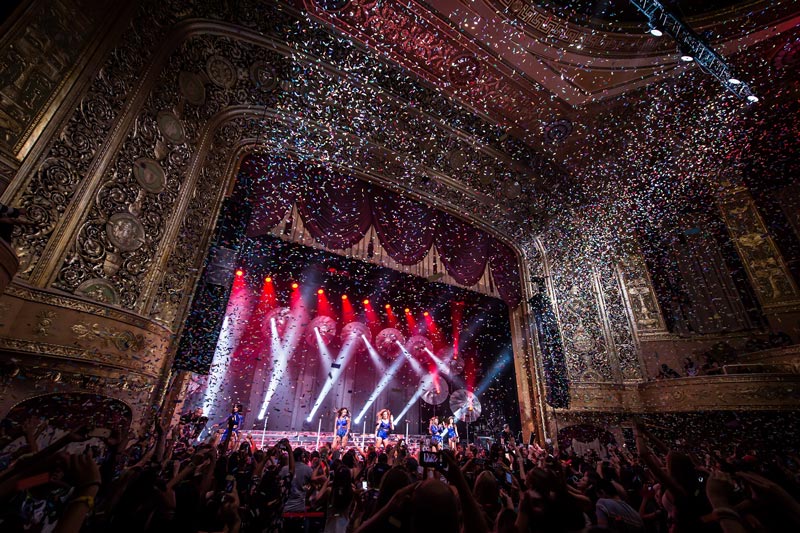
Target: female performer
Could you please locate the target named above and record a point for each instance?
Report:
(436, 434)
(233, 423)
(385, 425)
(342, 428)
(452, 434)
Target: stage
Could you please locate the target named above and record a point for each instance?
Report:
(307, 332)
(311, 440)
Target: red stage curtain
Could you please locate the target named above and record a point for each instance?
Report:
(405, 227)
(275, 188)
(505, 272)
(335, 209)
(338, 210)
(463, 248)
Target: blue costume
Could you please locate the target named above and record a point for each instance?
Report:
(436, 436)
(341, 427)
(234, 421)
(451, 432)
(383, 430)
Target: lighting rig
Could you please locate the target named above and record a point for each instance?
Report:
(692, 47)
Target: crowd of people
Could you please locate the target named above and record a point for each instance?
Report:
(168, 480)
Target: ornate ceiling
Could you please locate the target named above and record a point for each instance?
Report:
(618, 12)
(533, 68)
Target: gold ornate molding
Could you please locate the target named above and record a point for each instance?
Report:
(640, 296)
(42, 55)
(764, 264)
(61, 327)
(725, 392)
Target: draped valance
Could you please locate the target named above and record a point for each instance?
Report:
(338, 211)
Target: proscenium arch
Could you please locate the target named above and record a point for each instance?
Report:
(47, 260)
(249, 120)
(527, 359)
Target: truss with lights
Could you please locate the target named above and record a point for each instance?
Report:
(692, 47)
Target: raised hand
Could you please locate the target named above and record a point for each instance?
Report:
(83, 471)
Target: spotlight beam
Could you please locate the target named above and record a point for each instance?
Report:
(384, 382)
(336, 371)
(439, 363)
(279, 367)
(442, 366)
(414, 363)
(498, 366)
(374, 356)
(324, 353)
(427, 380)
(280, 351)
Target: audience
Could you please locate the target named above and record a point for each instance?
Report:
(170, 481)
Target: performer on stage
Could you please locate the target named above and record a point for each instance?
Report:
(452, 433)
(233, 422)
(436, 434)
(342, 428)
(384, 427)
(506, 437)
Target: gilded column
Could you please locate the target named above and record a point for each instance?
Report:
(640, 297)
(774, 286)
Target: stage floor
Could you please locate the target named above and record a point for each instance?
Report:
(311, 440)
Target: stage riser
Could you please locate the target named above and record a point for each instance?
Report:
(308, 439)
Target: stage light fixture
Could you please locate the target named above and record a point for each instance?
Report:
(387, 306)
(426, 313)
(734, 81)
(240, 273)
(408, 310)
(268, 279)
(366, 302)
(344, 297)
(655, 32)
(320, 291)
(691, 46)
(295, 285)
(752, 98)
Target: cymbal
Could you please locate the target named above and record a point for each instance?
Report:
(465, 405)
(435, 392)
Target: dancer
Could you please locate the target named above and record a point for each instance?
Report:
(452, 433)
(384, 427)
(436, 434)
(342, 428)
(234, 422)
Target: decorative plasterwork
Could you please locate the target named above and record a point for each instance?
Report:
(733, 392)
(121, 234)
(40, 56)
(416, 38)
(766, 268)
(578, 64)
(642, 303)
(66, 328)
